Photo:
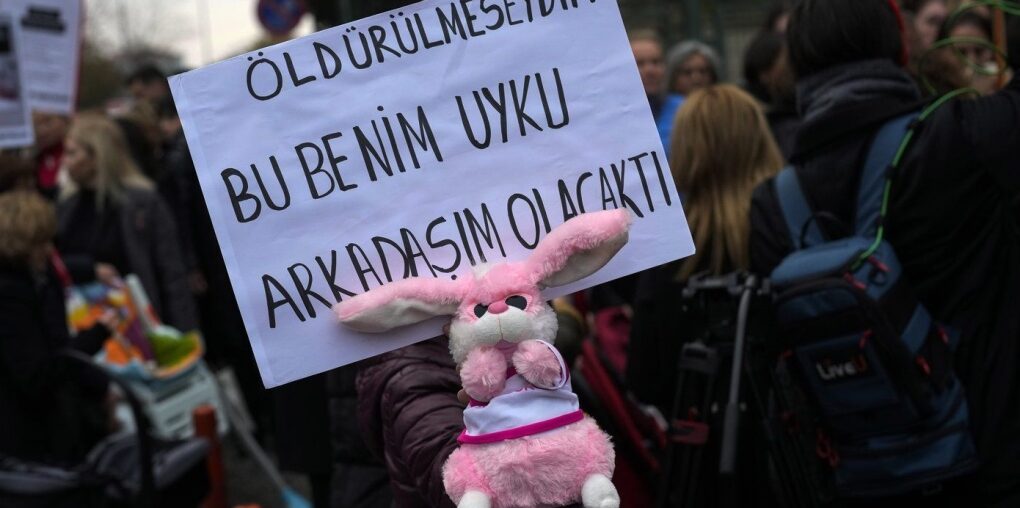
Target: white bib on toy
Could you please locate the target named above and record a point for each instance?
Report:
(522, 409)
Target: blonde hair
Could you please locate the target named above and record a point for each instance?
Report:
(116, 170)
(27, 223)
(721, 148)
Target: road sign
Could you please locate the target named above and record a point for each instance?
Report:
(280, 16)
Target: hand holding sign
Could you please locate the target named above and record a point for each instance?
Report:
(419, 142)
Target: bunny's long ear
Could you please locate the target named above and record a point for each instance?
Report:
(579, 247)
(400, 303)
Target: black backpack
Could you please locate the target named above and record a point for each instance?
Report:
(869, 359)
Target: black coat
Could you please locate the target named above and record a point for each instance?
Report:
(50, 411)
(951, 223)
(360, 479)
(150, 247)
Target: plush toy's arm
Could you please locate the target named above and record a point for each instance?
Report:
(483, 373)
(538, 364)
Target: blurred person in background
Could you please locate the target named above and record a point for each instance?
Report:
(778, 17)
(949, 217)
(722, 148)
(139, 124)
(925, 20)
(226, 339)
(974, 51)
(768, 78)
(690, 65)
(762, 64)
(647, 47)
(50, 412)
(16, 173)
(936, 71)
(50, 130)
(180, 190)
(112, 222)
(148, 84)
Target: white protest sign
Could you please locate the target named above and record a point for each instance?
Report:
(421, 141)
(15, 115)
(51, 52)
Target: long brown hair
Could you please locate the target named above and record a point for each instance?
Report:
(721, 148)
(116, 170)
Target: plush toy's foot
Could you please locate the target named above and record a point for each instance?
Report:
(475, 499)
(599, 492)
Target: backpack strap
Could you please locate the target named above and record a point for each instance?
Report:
(871, 191)
(796, 210)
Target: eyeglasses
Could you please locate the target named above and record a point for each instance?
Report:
(693, 71)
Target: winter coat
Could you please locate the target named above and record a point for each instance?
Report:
(950, 222)
(50, 410)
(150, 245)
(410, 416)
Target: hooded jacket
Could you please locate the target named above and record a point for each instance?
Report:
(950, 221)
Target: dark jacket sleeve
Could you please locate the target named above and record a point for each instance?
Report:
(90, 341)
(178, 302)
(81, 267)
(644, 375)
(422, 427)
(179, 193)
(409, 413)
(990, 130)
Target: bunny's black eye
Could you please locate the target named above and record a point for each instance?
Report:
(517, 301)
(480, 310)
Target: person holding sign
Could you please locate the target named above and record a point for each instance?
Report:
(114, 223)
(326, 176)
(526, 442)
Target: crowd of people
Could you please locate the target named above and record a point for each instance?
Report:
(108, 193)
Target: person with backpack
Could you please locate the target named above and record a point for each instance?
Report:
(937, 201)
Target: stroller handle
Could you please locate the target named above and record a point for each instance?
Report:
(146, 495)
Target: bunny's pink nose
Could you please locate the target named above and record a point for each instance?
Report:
(498, 307)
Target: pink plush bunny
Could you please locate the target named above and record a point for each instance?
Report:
(525, 443)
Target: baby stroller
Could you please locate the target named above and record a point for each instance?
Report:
(125, 470)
